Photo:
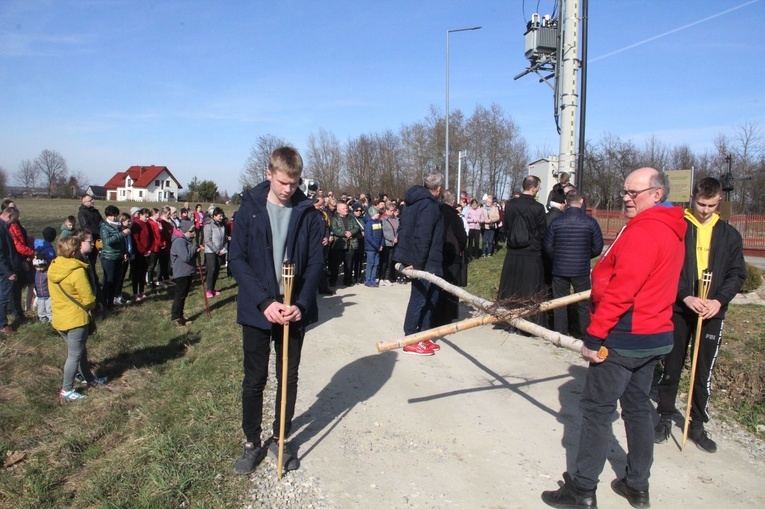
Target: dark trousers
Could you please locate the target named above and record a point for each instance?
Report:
(19, 283)
(151, 267)
(386, 259)
(422, 302)
(337, 256)
(257, 349)
(358, 262)
(6, 300)
(474, 243)
(212, 262)
(709, 346)
(138, 267)
(112, 275)
(182, 286)
(561, 287)
(628, 381)
(323, 280)
(164, 267)
(124, 264)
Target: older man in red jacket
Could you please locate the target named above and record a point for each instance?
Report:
(634, 286)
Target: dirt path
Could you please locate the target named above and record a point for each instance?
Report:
(490, 421)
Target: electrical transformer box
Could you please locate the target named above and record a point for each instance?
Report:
(541, 38)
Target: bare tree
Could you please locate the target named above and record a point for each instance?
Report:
(361, 164)
(3, 181)
(324, 159)
(497, 154)
(254, 171)
(26, 175)
(52, 166)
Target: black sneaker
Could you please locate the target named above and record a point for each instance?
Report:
(636, 498)
(662, 431)
(702, 440)
(570, 497)
(291, 461)
(251, 458)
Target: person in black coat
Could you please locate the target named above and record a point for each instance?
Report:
(455, 241)
(710, 243)
(421, 247)
(571, 241)
(522, 271)
(276, 223)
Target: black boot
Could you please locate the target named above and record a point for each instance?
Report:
(636, 498)
(570, 497)
(698, 436)
(663, 430)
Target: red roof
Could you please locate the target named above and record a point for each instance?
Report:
(142, 176)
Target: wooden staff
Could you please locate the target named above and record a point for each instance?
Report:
(204, 290)
(288, 276)
(703, 293)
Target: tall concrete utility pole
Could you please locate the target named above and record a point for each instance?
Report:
(567, 88)
(552, 46)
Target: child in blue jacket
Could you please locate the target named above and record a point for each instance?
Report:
(373, 244)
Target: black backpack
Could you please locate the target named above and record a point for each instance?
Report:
(520, 234)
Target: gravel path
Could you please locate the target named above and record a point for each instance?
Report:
(490, 421)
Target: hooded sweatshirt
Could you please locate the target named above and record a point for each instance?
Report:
(72, 275)
(634, 285)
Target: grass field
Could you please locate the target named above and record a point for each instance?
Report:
(166, 427)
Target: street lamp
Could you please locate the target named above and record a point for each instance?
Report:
(446, 183)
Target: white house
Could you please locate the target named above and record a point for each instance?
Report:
(143, 183)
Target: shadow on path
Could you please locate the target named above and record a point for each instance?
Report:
(351, 385)
(496, 381)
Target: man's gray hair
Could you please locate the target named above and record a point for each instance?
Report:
(449, 198)
(659, 180)
(433, 181)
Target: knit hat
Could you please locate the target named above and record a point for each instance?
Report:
(186, 225)
(134, 210)
(371, 211)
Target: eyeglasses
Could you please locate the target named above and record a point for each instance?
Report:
(634, 194)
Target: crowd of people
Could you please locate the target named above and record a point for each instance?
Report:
(643, 308)
(65, 288)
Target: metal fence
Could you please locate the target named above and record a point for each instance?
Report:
(750, 226)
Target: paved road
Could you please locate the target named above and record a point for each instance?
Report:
(489, 422)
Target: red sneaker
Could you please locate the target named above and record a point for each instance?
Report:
(432, 344)
(420, 348)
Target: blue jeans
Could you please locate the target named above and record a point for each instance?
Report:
(487, 243)
(422, 303)
(76, 357)
(373, 260)
(628, 381)
(6, 300)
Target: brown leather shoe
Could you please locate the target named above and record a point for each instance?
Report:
(8, 331)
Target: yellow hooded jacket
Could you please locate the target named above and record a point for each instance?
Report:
(73, 276)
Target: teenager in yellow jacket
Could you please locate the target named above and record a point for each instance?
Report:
(71, 297)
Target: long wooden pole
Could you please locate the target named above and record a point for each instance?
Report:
(498, 315)
(288, 276)
(703, 293)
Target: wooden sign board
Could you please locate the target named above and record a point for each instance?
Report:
(680, 182)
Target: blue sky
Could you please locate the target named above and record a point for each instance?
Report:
(191, 85)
